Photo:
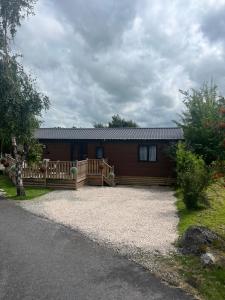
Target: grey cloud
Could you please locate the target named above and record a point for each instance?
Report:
(213, 24)
(100, 22)
(97, 58)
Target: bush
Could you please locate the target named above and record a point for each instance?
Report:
(193, 177)
(34, 152)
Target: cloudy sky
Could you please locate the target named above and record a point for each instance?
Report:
(96, 58)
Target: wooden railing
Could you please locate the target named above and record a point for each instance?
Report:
(32, 171)
(82, 168)
(107, 170)
(49, 170)
(54, 172)
(60, 170)
(108, 174)
(94, 166)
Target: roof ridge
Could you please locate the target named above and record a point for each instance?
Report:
(116, 133)
(101, 128)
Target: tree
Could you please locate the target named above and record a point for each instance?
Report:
(99, 125)
(21, 103)
(201, 122)
(11, 14)
(117, 121)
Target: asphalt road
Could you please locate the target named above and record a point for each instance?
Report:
(43, 260)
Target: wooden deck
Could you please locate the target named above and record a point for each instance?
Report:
(96, 172)
(59, 174)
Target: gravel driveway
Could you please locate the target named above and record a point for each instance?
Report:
(127, 218)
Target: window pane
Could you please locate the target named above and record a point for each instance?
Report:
(99, 152)
(143, 153)
(152, 153)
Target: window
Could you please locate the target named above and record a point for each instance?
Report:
(147, 153)
(152, 153)
(143, 153)
(99, 152)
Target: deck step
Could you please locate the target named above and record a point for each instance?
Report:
(133, 180)
(109, 182)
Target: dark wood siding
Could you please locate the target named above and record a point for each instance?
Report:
(124, 157)
(57, 151)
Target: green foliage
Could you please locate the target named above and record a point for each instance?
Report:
(208, 281)
(73, 171)
(193, 177)
(34, 152)
(117, 121)
(201, 122)
(21, 103)
(212, 216)
(11, 14)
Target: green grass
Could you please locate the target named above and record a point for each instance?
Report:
(209, 281)
(10, 190)
(212, 217)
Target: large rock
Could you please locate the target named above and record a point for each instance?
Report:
(208, 259)
(196, 239)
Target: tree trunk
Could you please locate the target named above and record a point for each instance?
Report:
(19, 181)
(19, 165)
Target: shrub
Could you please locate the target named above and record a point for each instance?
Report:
(193, 177)
(34, 152)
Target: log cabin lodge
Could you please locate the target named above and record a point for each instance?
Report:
(139, 155)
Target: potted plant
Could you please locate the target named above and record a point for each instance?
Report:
(73, 170)
(111, 176)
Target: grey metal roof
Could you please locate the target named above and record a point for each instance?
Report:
(109, 133)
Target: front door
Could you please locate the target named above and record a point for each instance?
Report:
(83, 151)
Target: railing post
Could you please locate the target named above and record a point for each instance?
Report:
(113, 181)
(76, 176)
(46, 172)
(102, 171)
(87, 168)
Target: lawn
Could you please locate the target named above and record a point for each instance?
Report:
(209, 281)
(10, 190)
(212, 217)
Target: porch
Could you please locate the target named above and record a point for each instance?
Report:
(65, 174)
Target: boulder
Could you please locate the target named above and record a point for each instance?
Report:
(208, 259)
(197, 239)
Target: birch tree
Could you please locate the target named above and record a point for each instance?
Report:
(21, 104)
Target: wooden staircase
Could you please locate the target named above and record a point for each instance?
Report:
(108, 175)
(100, 172)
